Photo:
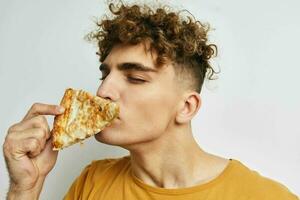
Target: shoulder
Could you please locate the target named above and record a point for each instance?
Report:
(257, 186)
(98, 171)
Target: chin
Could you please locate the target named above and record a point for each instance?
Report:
(104, 136)
(116, 138)
(110, 136)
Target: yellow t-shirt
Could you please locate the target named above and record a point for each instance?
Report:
(111, 179)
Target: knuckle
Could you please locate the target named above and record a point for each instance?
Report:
(34, 143)
(42, 133)
(12, 128)
(41, 119)
(35, 106)
(9, 144)
(43, 123)
(47, 131)
(9, 137)
(6, 148)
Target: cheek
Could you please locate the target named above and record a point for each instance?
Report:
(149, 108)
(153, 112)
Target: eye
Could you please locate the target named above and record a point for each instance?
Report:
(135, 80)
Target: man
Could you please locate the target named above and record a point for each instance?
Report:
(153, 64)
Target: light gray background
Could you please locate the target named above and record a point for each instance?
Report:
(251, 113)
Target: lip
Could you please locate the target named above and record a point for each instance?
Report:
(117, 119)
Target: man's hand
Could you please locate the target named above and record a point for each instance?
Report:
(28, 151)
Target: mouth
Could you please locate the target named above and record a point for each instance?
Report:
(117, 119)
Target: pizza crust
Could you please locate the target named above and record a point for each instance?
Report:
(84, 116)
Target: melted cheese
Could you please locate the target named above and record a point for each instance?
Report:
(87, 116)
(75, 108)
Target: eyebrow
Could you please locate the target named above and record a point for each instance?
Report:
(128, 66)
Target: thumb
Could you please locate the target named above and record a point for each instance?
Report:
(47, 157)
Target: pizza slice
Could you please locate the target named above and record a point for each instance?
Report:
(84, 116)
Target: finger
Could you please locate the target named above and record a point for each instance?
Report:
(43, 109)
(19, 148)
(39, 121)
(47, 155)
(31, 147)
(38, 133)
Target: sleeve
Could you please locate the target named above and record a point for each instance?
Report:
(278, 191)
(286, 196)
(76, 189)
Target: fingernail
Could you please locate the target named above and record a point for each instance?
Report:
(60, 109)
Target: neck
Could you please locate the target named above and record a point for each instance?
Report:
(171, 161)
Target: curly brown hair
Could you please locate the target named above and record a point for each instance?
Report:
(180, 39)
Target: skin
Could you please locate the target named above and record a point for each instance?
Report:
(28, 152)
(156, 110)
(155, 120)
(150, 103)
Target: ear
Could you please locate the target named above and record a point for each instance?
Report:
(188, 107)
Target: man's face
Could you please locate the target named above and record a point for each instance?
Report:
(148, 96)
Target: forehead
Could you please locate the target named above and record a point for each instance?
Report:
(131, 54)
(121, 55)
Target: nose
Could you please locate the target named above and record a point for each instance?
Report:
(108, 89)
